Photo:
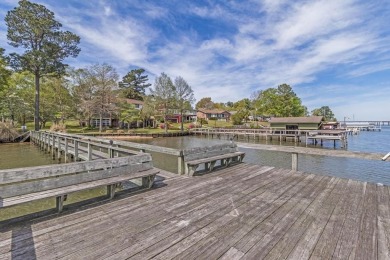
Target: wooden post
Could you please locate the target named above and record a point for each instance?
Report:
(76, 150)
(111, 191)
(59, 148)
(294, 161)
(89, 152)
(66, 150)
(180, 164)
(53, 146)
(60, 203)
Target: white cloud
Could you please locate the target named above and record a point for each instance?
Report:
(228, 50)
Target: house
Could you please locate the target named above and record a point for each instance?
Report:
(296, 123)
(175, 116)
(330, 125)
(218, 114)
(138, 104)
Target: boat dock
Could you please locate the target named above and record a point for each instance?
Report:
(270, 134)
(242, 212)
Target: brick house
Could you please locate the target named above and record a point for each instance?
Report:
(219, 114)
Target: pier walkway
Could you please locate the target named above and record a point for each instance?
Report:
(242, 212)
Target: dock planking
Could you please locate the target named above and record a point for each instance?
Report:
(242, 212)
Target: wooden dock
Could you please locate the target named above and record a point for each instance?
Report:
(242, 212)
(274, 134)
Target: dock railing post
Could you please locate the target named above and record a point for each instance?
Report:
(66, 150)
(76, 150)
(294, 161)
(89, 151)
(180, 164)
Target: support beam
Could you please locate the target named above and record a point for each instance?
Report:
(111, 191)
(294, 161)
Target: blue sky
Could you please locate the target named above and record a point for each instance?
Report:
(332, 52)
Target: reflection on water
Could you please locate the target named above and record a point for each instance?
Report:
(365, 170)
(17, 155)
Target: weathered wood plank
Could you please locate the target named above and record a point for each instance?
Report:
(367, 246)
(48, 184)
(32, 173)
(383, 222)
(241, 212)
(351, 228)
(75, 187)
(327, 242)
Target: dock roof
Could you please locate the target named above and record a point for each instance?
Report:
(296, 120)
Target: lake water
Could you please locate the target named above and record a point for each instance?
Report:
(365, 170)
(25, 154)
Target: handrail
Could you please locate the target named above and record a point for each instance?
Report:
(126, 144)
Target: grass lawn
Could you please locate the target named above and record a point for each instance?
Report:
(72, 126)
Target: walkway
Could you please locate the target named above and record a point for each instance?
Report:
(242, 212)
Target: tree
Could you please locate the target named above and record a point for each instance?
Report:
(324, 111)
(184, 96)
(205, 103)
(83, 94)
(148, 109)
(33, 27)
(16, 96)
(281, 101)
(104, 81)
(133, 85)
(128, 113)
(60, 102)
(5, 73)
(164, 94)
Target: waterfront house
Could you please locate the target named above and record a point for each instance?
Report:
(330, 125)
(138, 104)
(217, 114)
(174, 116)
(296, 123)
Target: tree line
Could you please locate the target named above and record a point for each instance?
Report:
(281, 101)
(60, 92)
(38, 84)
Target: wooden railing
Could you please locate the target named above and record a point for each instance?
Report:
(79, 147)
(123, 147)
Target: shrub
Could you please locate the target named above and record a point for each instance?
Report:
(7, 132)
(190, 126)
(58, 128)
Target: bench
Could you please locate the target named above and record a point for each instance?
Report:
(34, 183)
(225, 153)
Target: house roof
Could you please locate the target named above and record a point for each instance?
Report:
(212, 111)
(134, 101)
(309, 119)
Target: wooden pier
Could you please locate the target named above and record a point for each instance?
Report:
(242, 212)
(280, 135)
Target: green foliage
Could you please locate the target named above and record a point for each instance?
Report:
(16, 97)
(33, 27)
(5, 73)
(281, 101)
(324, 111)
(133, 84)
(128, 113)
(240, 116)
(205, 103)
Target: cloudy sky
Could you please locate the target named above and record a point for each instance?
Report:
(333, 53)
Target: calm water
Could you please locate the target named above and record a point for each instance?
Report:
(366, 170)
(25, 154)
